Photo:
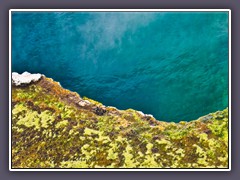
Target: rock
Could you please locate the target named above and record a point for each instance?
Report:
(99, 111)
(206, 118)
(84, 103)
(146, 115)
(141, 113)
(149, 115)
(24, 78)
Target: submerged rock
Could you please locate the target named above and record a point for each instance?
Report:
(55, 128)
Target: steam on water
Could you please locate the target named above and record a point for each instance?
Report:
(173, 65)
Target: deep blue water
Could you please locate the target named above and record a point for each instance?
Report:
(171, 65)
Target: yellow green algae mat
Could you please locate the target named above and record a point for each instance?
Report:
(55, 128)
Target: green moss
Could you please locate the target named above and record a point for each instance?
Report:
(74, 164)
(30, 119)
(128, 157)
(88, 131)
(62, 124)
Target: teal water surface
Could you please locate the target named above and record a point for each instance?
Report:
(173, 65)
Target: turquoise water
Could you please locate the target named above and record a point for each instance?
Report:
(173, 65)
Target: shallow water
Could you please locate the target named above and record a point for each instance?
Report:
(171, 65)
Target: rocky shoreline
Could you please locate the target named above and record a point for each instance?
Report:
(55, 128)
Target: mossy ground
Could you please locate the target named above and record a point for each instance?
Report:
(55, 128)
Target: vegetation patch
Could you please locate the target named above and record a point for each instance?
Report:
(56, 128)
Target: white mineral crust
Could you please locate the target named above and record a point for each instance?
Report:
(24, 78)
